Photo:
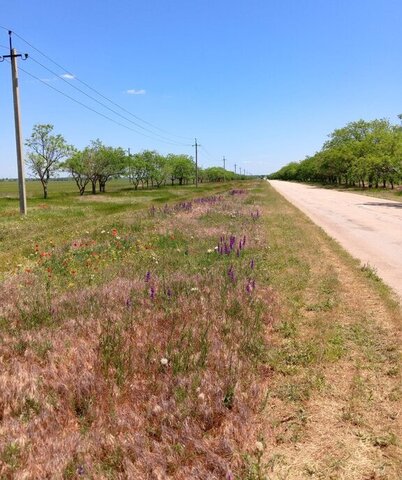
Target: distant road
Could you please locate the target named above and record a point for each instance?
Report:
(367, 227)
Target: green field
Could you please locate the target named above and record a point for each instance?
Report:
(65, 214)
(190, 333)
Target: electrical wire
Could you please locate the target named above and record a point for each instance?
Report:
(93, 89)
(103, 104)
(206, 151)
(90, 108)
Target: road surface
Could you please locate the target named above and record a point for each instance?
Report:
(367, 227)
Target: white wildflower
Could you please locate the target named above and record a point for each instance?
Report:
(216, 248)
(209, 250)
(157, 409)
(194, 289)
(259, 446)
(201, 397)
(164, 361)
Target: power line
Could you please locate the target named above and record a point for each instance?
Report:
(90, 108)
(93, 89)
(103, 105)
(208, 154)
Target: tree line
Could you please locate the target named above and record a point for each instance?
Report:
(362, 153)
(49, 154)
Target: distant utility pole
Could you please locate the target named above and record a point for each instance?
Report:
(129, 163)
(224, 169)
(17, 120)
(235, 168)
(196, 145)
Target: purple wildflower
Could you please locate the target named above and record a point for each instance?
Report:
(148, 276)
(229, 475)
(128, 302)
(231, 274)
(232, 242)
(81, 470)
(152, 293)
(252, 264)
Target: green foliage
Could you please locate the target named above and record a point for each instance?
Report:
(97, 163)
(11, 456)
(45, 153)
(219, 174)
(367, 153)
(183, 168)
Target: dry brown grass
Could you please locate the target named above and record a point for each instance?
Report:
(307, 363)
(84, 391)
(335, 405)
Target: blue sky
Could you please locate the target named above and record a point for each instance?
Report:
(259, 82)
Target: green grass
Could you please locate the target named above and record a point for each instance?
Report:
(65, 215)
(95, 327)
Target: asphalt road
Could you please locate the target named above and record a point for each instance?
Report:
(367, 227)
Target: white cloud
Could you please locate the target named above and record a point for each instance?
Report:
(133, 91)
(67, 76)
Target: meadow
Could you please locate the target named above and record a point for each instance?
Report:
(183, 333)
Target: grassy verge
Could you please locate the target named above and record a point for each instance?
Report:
(132, 348)
(334, 396)
(218, 337)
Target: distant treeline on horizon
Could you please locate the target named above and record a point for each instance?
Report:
(364, 153)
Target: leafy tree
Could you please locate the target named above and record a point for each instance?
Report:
(216, 174)
(45, 153)
(156, 167)
(111, 162)
(104, 163)
(77, 166)
(137, 170)
(366, 152)
(182, 168)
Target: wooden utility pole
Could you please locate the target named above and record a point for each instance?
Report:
(196, 145)
(235, 168)
(17, 120)
(129, 164)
